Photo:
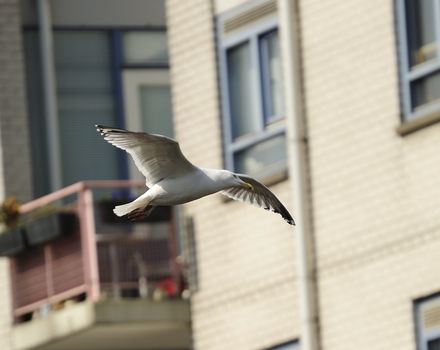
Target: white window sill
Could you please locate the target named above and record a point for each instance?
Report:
(410, 126)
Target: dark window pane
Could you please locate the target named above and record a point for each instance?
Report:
(85, 98)
(426, 90)
(37, 123)
(265, 157)
(156, 109)
(421, 31)
(294, 345)
(142, 47)
(271, 76)
(434, 344)
(241, 97)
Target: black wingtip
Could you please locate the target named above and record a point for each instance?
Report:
(286, 216)
(105, 129)
(99, 128)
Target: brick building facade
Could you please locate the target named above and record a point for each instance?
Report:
(374, 177)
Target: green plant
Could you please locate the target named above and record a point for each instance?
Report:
(9, 214)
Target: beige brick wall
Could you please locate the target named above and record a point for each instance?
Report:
(376, 194)
(247, 297)
(220, 6)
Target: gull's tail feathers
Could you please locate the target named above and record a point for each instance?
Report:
(124, 209)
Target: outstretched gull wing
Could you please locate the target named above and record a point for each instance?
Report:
(157, 157)
(259, 196)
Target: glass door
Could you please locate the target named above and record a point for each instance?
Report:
(147, 100)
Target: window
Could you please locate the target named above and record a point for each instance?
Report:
(290, 345)
(84, 92)
(85, 97)
(434, 344)
(155, 101)
(419, 37)
(251, 89)
(147, 104)
(145, 47)
(90, 66)
(427, 318)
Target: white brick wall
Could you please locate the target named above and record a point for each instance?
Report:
(247, 297)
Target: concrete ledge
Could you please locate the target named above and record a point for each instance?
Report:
(108, 325)
(127, 336)
(56, 325)
(138, 310)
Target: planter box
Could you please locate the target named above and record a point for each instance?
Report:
(105, 208)
(12, 242)
(50, 227)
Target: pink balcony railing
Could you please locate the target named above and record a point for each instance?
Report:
(99, 260)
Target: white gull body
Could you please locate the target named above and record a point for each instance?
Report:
(171, 179)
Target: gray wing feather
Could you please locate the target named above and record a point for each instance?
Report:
(260, 197)
(157, 157)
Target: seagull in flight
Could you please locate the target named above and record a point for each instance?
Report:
(172, 179)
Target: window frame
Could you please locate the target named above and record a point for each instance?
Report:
(288, 345)
(427, 113)
(250, 33)
(424, 336)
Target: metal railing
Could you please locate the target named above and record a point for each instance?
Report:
(100, 260)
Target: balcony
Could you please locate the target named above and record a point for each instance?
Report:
(106, 284)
